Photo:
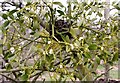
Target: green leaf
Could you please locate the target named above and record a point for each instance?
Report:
(24, 77)
(13, 11)
(58, 3)
(92, 47)
(107, 52)
(94, 19)
(11, 16)
(8, 55)
(36, 24)
(4, 16)
(97, 60)
(34, 48)
(117, 7)
(90, 13)
(67, 38)
(8, 66)
(19, 14)
(115, 57)
(1, 48)
(50, 58)
(11, 55)
(84, 3)
(42, 63)
(63, 37)
(73, 33)
(60, 12)
(88, 55)
(114, 38)
(36, 34)
(74, 7)
(6, 23)
(28, 3)
(115, 28)
(99, 14)
(91, 3)
(87, 7)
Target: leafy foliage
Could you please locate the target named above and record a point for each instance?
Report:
(35, 41)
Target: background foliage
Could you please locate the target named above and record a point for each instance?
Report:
(30, 52)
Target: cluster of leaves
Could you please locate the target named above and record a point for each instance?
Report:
(30, 47)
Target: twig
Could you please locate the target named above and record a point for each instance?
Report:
(7, 71)
(32, 40)
(17, 69)
(102, 74)
(9, 78)
(36, 76)
(62, 61)
(52, 20)
(21, 36)
(88, 28)
(31, 55)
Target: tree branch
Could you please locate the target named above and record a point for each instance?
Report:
(66, 59)
(102, 74)
(9, 78)
(34, 39)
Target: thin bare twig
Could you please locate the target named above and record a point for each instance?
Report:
(9, 78)
(36, 76)
(102, 74)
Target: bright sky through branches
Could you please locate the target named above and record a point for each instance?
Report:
(64, 2)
